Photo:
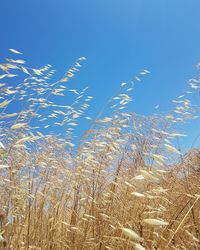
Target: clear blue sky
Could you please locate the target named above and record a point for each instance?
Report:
(118, 37)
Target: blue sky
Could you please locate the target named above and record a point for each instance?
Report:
(119, 39)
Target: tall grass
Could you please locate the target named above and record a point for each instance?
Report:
(124, 186)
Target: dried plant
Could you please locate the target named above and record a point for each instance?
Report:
(124, 186)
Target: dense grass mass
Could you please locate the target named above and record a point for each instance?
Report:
(123, 186)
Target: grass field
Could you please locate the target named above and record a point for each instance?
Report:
(124, 185)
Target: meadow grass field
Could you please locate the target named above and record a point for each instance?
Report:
(126, 184)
